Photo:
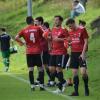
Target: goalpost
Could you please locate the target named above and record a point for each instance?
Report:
(29, 7)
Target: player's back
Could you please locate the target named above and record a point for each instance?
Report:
(5, 42)
(32, 35)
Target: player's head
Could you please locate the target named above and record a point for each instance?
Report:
(38, 20)
(58, 20)
(71, 23)
(82, 23)
(29, 20)
(45, 25)
(75, 2)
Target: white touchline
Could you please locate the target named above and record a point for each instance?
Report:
(26, 81)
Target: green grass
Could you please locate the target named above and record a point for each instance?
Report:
(15, 20)
(14, 89)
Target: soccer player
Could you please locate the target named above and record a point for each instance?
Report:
(5, 48)
(79, 44)
(39, 21)
(82, 23)
(46, 57)
(58, 52)
(32, 35)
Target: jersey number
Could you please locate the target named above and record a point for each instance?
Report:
(32, 37)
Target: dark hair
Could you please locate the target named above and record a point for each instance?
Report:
(3, 29)
(29, 20)
(76, 1)
(40, 19)
(60, 17)
(70, 21)
(82, 22)
(46, 24)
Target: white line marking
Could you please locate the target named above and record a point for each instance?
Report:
(26, 81)
(18, 78)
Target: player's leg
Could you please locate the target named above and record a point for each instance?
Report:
(46, 63)
(84, 73)
(40, 71)
(66, 66)
(75, 82)
(59, 68)
(6, 61)
(31, 78)
(30, 64)
(41, 78)
(74, 67)
(52, 69)
(37, 82)
(60, 65)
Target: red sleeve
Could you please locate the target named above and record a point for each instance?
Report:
(21, 33)
(66, 43)
(45, 34)
(84, 34)
(40, 32)
(66, 33)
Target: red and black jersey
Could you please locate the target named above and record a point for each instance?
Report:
(44, 42)
(77, 39)
(46, 34)
(32, 35)
(58, 47)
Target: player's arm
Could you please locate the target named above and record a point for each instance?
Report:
(58, 39)
(12, 42)
(84, 48)
(45, 35)
(85, 36)
(64, 37)
(19, 41)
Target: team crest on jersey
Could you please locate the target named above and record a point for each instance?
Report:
(77, 35)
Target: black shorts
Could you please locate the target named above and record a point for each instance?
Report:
(45, 57)
(58, 60)
(34, 60)
(76, 61)
(65, 60)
